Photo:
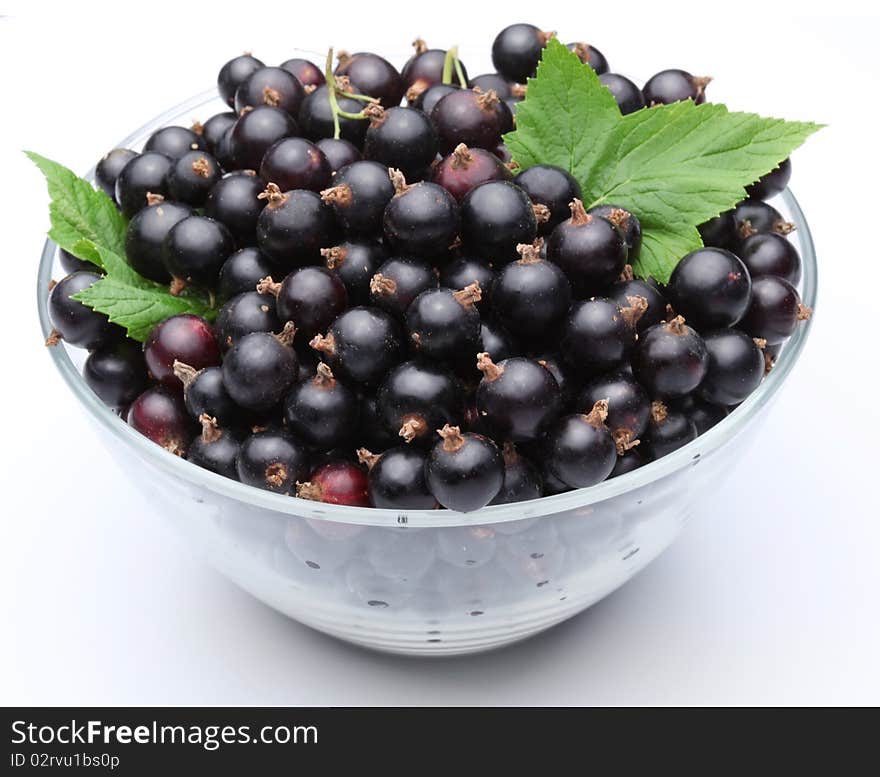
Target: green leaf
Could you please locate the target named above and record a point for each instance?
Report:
(673, 166)
(78, 212)
(134, 302)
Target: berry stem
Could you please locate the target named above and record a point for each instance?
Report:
(268, 286)
(210, 431)
(579, 214)
(286, 335)
(596, 417)
(469, 295)
(452, 438)
(333, 257)
(659, 411)
(185, 374)
(326, 345)
(324, 375)
(637, 307)
(459, 71)
(490, 370)
(413, 426)
(367, 458)
(530, 252)
(623, 440)
(382, 286)
(309, 490)
(451, 55)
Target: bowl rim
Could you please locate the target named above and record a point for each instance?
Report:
(250, 496)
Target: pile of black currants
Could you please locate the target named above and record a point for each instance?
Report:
(404, 322)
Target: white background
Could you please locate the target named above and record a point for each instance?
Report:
(771, 599)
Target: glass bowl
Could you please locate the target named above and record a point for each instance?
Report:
(431, 582)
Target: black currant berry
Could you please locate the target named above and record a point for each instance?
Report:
(629, 407)
(711, 288)
(753, 217)
(260, 368)
(720, 232)
(374, 74)
(312, 297)
(272, 86)
(590, 250)
(174, 142)
(628, 462)
(372, 431)
(358, 197)
(531, 296)
(192, 177)
(517, 50)
(443, 323)
(361, 345)
(465, 270)
(598, 335)
(772, 183)
(671, 359)
(416, 398)
(561, 373)
(355, 262)
(580, 449)
(338, 482)
(315, 117)
(243, 314)
(420, 220)
(74, 322)
(774, 311)
(426, 101)
(255, 132)
(110, 166)
(771, 254)
(235, 201)
(216, 127)
(233, 73)
(591, 56)
(477, 119)
(735, 367)
(517, 398)
(272, 460)
(242, 271)
(146, 234)
(466, 168)
(396, 479)
(71, 264)
(496, 217)
(522, 480)
(293, 226)
(464, 471)
(424, 70)
(322, 412)
(628, 96)
(116, 372)
(194, 250)
(306, 72)
(296, 163)
(185, 338)
(627, 223)
(628, 287)
(552, 187)
(670, 86)
(204, 393)
(668, 430)
(214, 449)
(145, 174)
(704, 414)
(398, 282)
(159, 415)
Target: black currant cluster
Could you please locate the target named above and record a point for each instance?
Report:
(404, 322)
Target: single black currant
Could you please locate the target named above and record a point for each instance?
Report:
(396, 478)
(774, 311)
(355, 262)
(710, 287)
(146, 234)
(214, 449)
(465, 270)
(426, 101)
(443, 323)
(629, 407)
(580, 449)
(670, 86)
(735, 367)
(296, 163)
(720, 232)
(116, 372)
(466, 168)
(374, 74)
(243, 314)
(322, 411)
(465, 471)
(477, 119)
(272, 86)
(76, 323)
(192, 177)
(552, 187)
(159, 415)
(233, 73)
(272, 460)
(144, 175)
(424, 70)
(293, 226)
(311, 297)
(671, 359)
(495, 82)
(772, 183)
(598, 334)
(522, 480)
(628, 96)
(420, 220)
(496, 217)
(358, 197)
(315, 117)
(235, 201)
(627, 223)
(668, 429)
(204, 393)
(339, 482)
(591, 56)
(242, 271)
(561, 373)
(754, 217)
(185, 338)
(517, 50)
(628, 287)
(771, 254)
(194, 250)
(339, 153)
(174, 142)
(255, 132)
(216, 127)
(402, 138)
(110, 166)
(260, 368)
(397, 282)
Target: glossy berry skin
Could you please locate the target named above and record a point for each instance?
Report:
(720, 232)
(376, 76)
(590, 250)
(146, 234)
(195, 249)
(668, 430)
(244, 313)
(192, 177)
(496, 341)
(397, 480)
(316, 119)
(465, 270)
(186, 338)
(397, 282)
(146, 173)
(338, 482)
(234, 201)
(204, 393)
(77, 323)
(433, 95)
(255, 132)
(711, 288)
(322, 411)
(552, 187)
(629, 407)
(517, 50)
(355, 262)
(735, 367)
(704, 414)
(423, 71)
(466, 168)
(223, 149)
(421, 221)
(372, 432)
(627, 223)
(494, 82)
(293, 227)
(296, 163)
(160, 416)
(271, 86)
(591, 56)
(628, 96)
(531, 296)
(242, 271)
(358, 196)
(774, 311)
(756, 217)
(621, 291)
(522, 480)
(596, 336)
(110, 166)
(496, 217)
(417, 398)
(402, 138)
(443, 324)
(561, 373)
(306, 72)
(259, 370)
(476, 119)
(517, 398)
(580, 450)
(216, 127)
(272, 460)
(71, 264)
(629, 462)
(174, 142)
(233, 73)
(217, 452)
(116, 372)
(339, 153)
(772, 183)
(670, 359)
(670, 86)
(311, 297)
(361, 345)
(771, 254)
(464, 471)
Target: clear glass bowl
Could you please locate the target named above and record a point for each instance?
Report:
(431, 582)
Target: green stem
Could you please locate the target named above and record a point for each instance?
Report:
(460, 72)
(448, 61)
(331, 92)
(347, 115)
(365, 98)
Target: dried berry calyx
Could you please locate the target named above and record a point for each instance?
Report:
(453, 440)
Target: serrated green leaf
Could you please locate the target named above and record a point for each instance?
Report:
(79, 212)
